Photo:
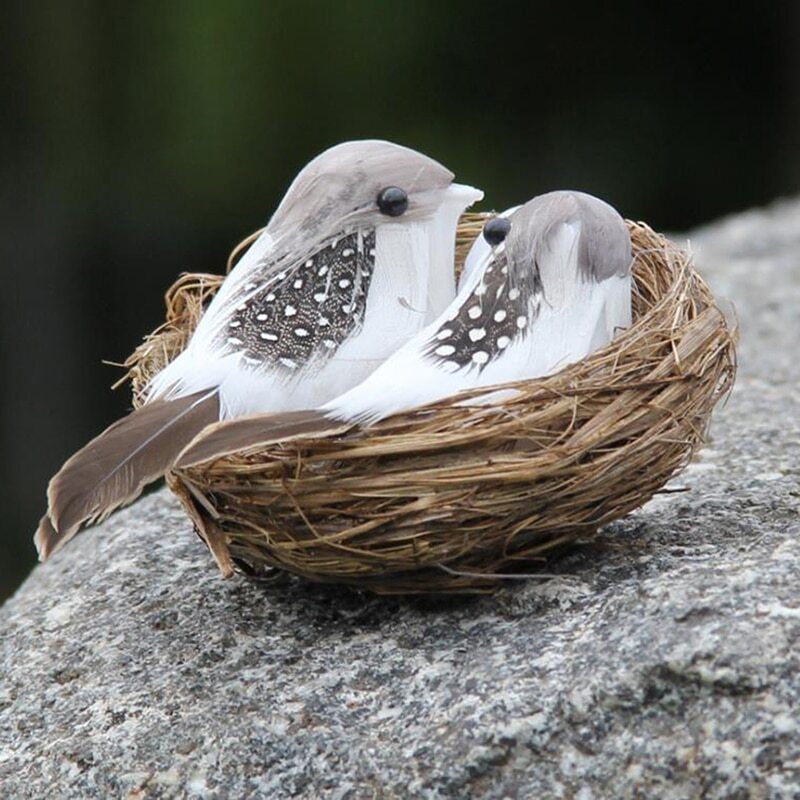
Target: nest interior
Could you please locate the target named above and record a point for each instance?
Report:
(453, 497)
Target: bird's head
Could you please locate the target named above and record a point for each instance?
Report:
(556, 234)
(366, 184)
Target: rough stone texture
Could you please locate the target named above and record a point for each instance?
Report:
(662, 663)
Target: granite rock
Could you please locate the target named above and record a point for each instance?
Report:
(663, 660)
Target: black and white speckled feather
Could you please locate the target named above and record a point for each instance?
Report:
(497, 313)
(302, 315)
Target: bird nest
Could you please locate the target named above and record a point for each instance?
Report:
(452, 497)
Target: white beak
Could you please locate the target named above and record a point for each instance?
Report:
(441, 230)
(463, 195)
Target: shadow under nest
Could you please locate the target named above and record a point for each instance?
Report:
(449, 498)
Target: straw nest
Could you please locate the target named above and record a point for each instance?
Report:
(452, 497)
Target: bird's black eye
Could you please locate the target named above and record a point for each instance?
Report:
(392, 201)
(496, 230)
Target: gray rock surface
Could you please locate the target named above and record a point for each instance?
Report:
(663, 662)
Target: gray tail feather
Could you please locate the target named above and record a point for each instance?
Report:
(250, 433)
(114, 467)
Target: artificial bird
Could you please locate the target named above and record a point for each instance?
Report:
(357, 258)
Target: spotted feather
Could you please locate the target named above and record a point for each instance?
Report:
(306, 313)
(498, 313)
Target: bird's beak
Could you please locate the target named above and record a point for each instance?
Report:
(463, 195)
(440, 231)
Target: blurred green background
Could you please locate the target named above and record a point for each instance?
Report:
(143, 139)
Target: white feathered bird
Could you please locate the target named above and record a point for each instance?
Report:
(545, 286)
(357, 259)
(553, 286)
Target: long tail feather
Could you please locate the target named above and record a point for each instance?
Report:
(113, 468)
(248, 433)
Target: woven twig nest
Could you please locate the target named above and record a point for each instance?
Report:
(452, 497)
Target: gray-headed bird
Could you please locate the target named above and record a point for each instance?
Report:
(547, 285)
(357, 259)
